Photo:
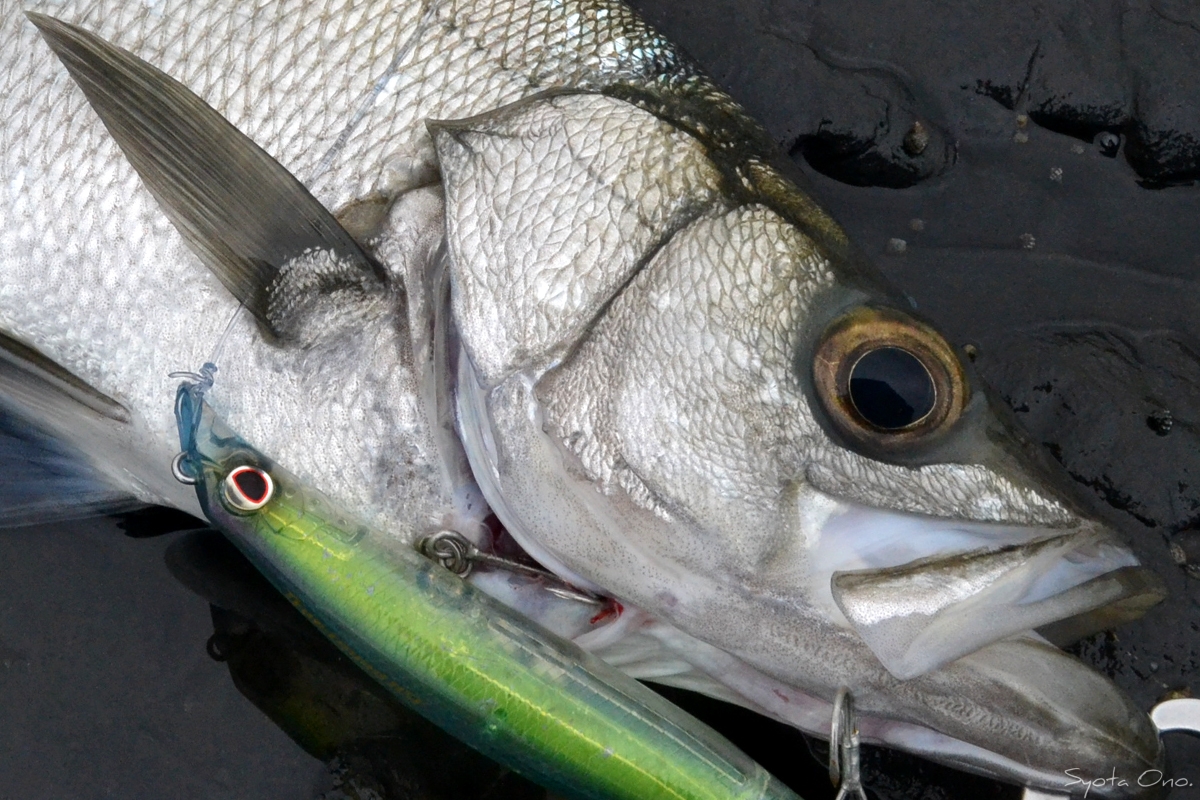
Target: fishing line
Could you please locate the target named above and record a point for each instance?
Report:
(378, 88)
(208, 370)
(216, 353)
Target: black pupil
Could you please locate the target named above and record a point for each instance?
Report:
(251, 484)
(891, 388)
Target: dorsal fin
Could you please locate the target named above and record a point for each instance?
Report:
(244, 214)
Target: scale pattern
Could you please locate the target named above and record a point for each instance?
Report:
(338, 91)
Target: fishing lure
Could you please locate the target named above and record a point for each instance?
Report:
(512, 690)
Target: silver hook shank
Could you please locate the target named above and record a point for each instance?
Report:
(845, 760)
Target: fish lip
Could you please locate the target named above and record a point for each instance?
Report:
(923, 591)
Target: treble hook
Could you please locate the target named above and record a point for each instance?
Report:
(845, 762)
(456, 553)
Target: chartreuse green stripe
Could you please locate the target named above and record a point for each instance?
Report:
(516, 692)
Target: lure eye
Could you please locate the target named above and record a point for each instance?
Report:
(247, 489)
(887, 380)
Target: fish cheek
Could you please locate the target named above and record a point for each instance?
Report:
(551, 207)
(701, 420)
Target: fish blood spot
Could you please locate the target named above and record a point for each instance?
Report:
(611, 610)
(891, 388)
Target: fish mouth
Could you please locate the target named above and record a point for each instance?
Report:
(922, 591)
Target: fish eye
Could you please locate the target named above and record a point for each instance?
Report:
(888, 380)
(891, 389)
(247, 489)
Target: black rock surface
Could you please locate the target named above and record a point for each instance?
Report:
(841, 84)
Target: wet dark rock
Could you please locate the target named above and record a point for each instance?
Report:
(880, 140)
(840, 84)
(1084, 396)
(105, 689)
(1163, 42)
(1078, 84)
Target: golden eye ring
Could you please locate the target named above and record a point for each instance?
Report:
(887, 380)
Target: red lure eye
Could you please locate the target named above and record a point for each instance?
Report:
(247, 489)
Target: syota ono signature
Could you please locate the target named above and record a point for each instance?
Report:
(1151, 777)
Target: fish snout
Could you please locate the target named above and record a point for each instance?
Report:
(922, 592)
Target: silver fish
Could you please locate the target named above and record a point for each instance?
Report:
(523, 257)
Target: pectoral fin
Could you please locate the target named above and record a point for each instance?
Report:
(46, 478)
(249, 220)
(30, 379)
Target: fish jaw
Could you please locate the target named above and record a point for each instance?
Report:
(924, 592)
(1082, 718)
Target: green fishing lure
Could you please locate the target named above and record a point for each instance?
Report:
(507, 687)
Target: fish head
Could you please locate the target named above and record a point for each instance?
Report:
(679, 387)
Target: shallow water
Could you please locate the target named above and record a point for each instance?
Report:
(1075, 284)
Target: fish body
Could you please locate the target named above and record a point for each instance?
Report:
(523, 258)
